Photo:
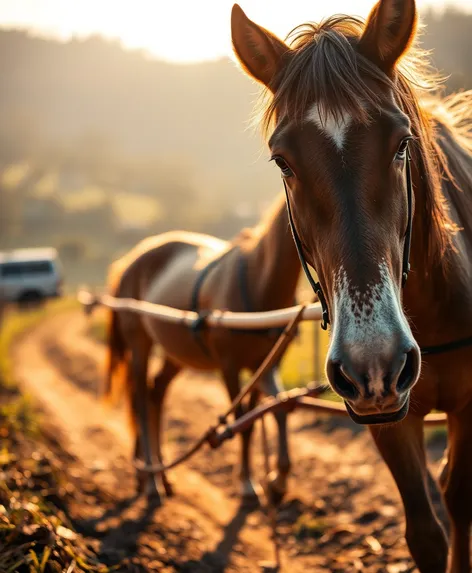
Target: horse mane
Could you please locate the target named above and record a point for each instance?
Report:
(325, 67)
(451, 117)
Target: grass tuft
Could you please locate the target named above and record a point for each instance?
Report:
(308, 526)
(16, 323)
(36, 535)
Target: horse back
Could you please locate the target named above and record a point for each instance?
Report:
(163, 270)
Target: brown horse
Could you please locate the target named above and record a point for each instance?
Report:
(347, 102)
(259, 269)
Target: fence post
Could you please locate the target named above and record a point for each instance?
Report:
(316, 357)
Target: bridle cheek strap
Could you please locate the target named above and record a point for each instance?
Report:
(409, 196)
(316, 286)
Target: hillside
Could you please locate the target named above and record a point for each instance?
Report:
(100, 146)
(139, 107)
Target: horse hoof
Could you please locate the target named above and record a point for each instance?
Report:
(140, 484)
(249, 496)
(274, 490)
(275, 496)
(152, 493)
(154, 499)
(250, 501)
(168, 488)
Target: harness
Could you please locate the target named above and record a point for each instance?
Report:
(249, 307)
(243, 283)
(316, 286)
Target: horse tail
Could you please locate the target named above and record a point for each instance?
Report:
(118, 380)
(116, 365)
(116, 369)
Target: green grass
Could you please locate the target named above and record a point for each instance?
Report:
(97, 328)
(35, 536)
(18, 415)
(16, 323)
(308, 526)
(435, 435)
(17, 412)
(305, 358)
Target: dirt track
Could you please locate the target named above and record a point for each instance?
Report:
(343, 512)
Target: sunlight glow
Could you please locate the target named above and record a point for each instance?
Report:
(175, 30)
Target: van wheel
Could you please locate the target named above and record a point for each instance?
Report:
(30, 299)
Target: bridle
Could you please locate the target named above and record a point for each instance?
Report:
(315, 285)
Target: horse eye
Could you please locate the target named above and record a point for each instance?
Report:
(282, 165)
(401, 152)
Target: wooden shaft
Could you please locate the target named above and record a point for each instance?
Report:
(215, 318)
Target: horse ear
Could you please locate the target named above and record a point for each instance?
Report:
(258, 50)
(389, 31)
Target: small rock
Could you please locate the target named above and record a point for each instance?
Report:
(373, 543)
(397, 567)
(66, 533)
(268, 567)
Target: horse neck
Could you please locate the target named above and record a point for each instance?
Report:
(273, 263)
(437, 295)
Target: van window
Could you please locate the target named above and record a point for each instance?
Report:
(26, 268)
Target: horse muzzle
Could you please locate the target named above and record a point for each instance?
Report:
(375, 418)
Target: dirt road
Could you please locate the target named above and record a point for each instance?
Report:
(343, 512)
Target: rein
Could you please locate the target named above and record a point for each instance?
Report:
(242, 274)
(315, 285)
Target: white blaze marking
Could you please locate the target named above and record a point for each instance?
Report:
(334, 129)
(369, 320)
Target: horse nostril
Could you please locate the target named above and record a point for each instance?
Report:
(340, 383)
(408, 373)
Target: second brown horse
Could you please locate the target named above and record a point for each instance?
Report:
(258, 268)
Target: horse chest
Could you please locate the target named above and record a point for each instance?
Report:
(446, 382)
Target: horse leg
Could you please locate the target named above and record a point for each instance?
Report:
(250, 497)
(168, 372)
(437, 500)
(140, 476)
(139, 368)
(248, 492)
(456, 481)
(443, 470)
(271, 385)
(402, 448)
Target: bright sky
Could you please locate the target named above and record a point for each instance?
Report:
(177, 30)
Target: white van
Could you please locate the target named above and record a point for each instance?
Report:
(30, 275)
